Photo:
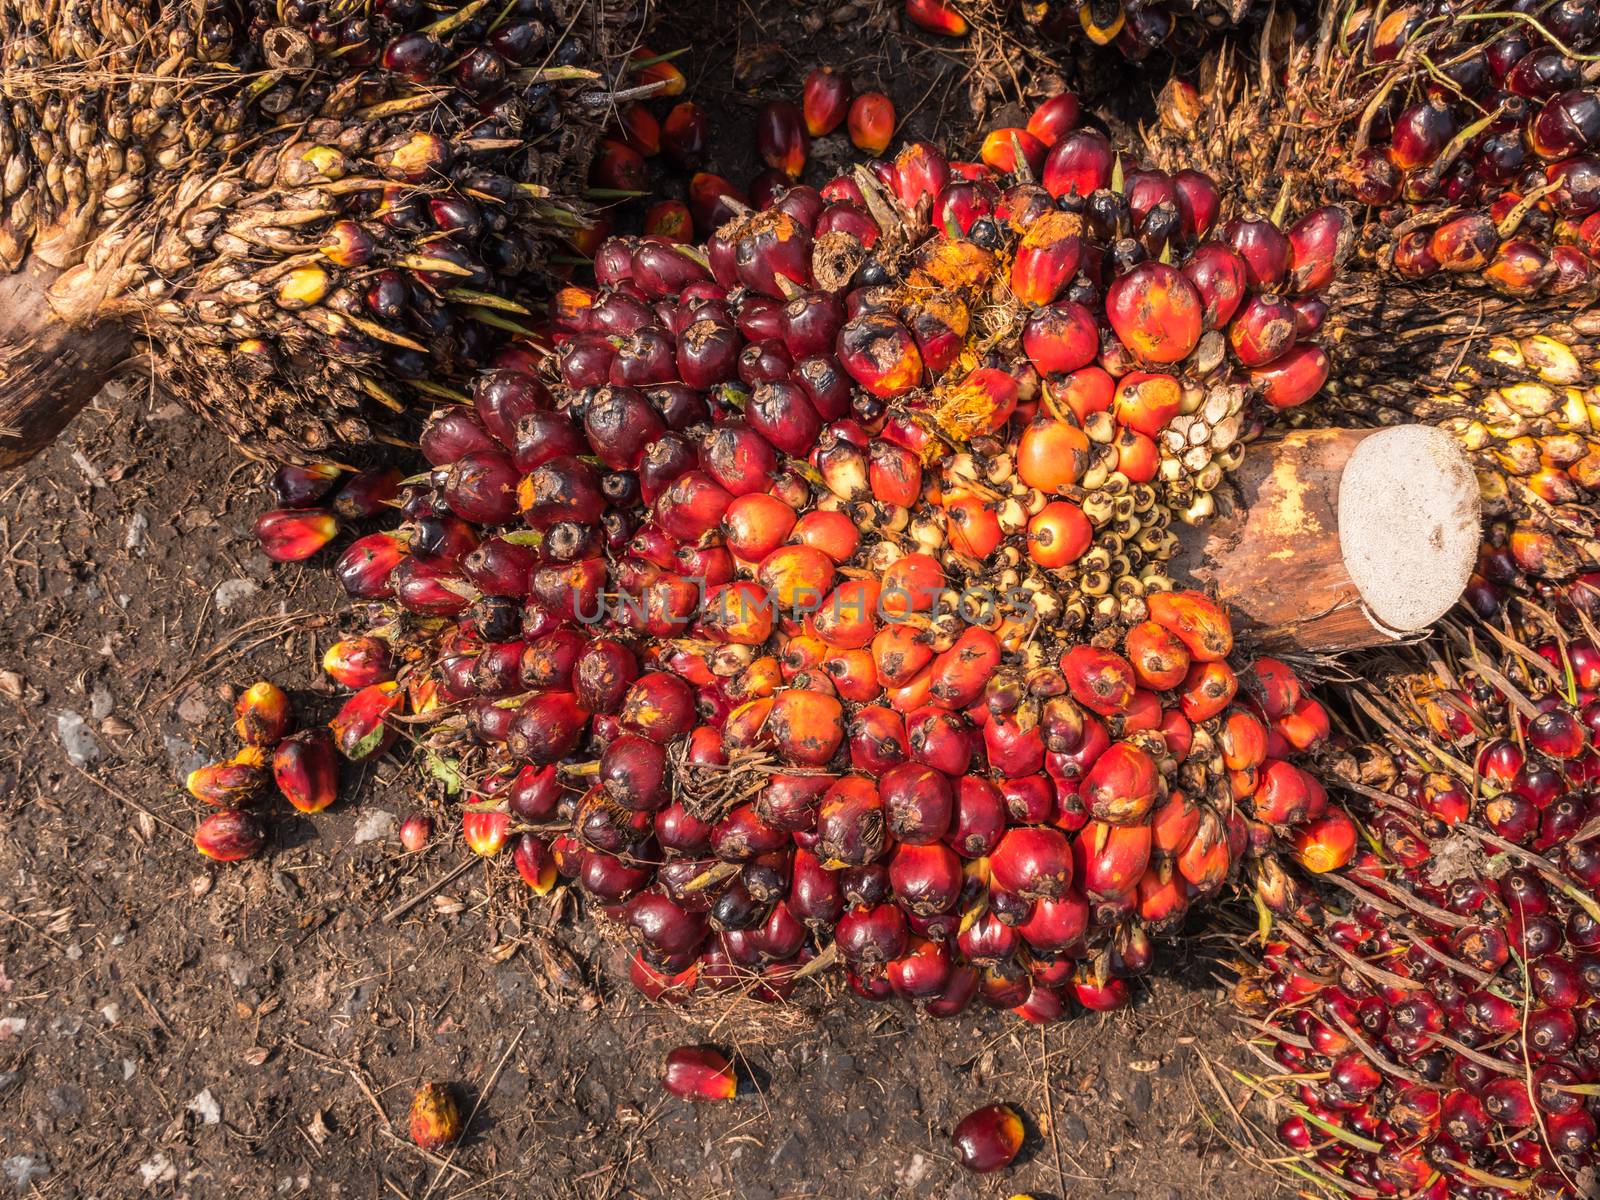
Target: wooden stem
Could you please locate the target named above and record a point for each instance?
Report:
(53, 360)
(1335, 539)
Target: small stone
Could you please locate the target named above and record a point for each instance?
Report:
(76, 739)
(205, 1106)
(111, 1012)
(193, 709)
(101, 702)
(12, 686)
(374, 825)
(23, 1169)
(157, 1169)
(11, 1027)
(182, 755)
(138, 526)
(230, 592)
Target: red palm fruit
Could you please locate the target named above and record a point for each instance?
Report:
(669, 219)
(1080, 163)
(1057, 924)
(1052, 454)
(781, 138)
(1004, 148)
(920, 169)
(451, 432)
(877, 738)
(358, 662)
(973, 526)
(1015, 749)
(960, 673)
(1276, 686)
(633, 773)
(988, 1139)
(547, 727)
(1466, 243)
(1205, 860)
(262, 714)
(561, 489)
(602, 675)
(1198, 203)
(1101, 997)
(1263, 331)
(1121, 787)
(770, 247)
(416, 831)
(926, 877)
(1110, 858)
(712, 201)
(306, 770)
(692, 507)
(814, 893)
(936, 16)
(1173, 825)
(850, 823)
(1319, 242)
(1568, 124)
(1326, 843)
(899, 654)
(699, 1073)
(230, 784)
(739, 613)
(1287, 795)
(833, 533)
(1243, 742)
(1306, 727)
(848, 616)
(1264, 249)
(1060, 338)
(979, 818)
(1147, 402)
(360, 728)
(854, 677)
(1421, 133)
(1159, 660)
(797, 578)
(485, 833)
(434, 1121)
(738, 458)
(1294, 378)
(880, 354)
(810, 324)
(1033, 861)
(229, 836)
(806, 727)
(1054, 118)
(1218, 275)
(911, 584)
(825, 101)
(939, 739)
(640, 130)
(872, 936)
(659, 706)
(871, 122)
(683, 135)
(1047, 258)
(1196, 620)
(292, 535)
(531, 856)
(1413, 255)
(1100, 680)
(1162, 901)
(301, 487)
(918, 803)
(1179, 734)
(895, 474)
(619, 166)
(1208, 689)
(1156, 313)
(534, 792)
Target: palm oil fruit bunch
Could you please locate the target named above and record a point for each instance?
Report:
(1527, 408)
(1436, 1031)
(756, 731)
(1136, 29)
(302, 765)
(1474, 132)
(312, 212)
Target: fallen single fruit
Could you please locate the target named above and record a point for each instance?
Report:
(988, 1139)
(699, 1073)
(435, 1119)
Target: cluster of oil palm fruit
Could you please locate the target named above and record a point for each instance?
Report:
(808, 603)
(316, 210)
(1433, 1025)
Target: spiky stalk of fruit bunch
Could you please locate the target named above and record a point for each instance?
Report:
(311, 213)
(1524, 403)
(1136, 29)
(1483, 171)
(1432, 1021)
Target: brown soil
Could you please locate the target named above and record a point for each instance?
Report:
(169, 1027)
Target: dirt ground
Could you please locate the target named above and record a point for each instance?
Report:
(173, 1028)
